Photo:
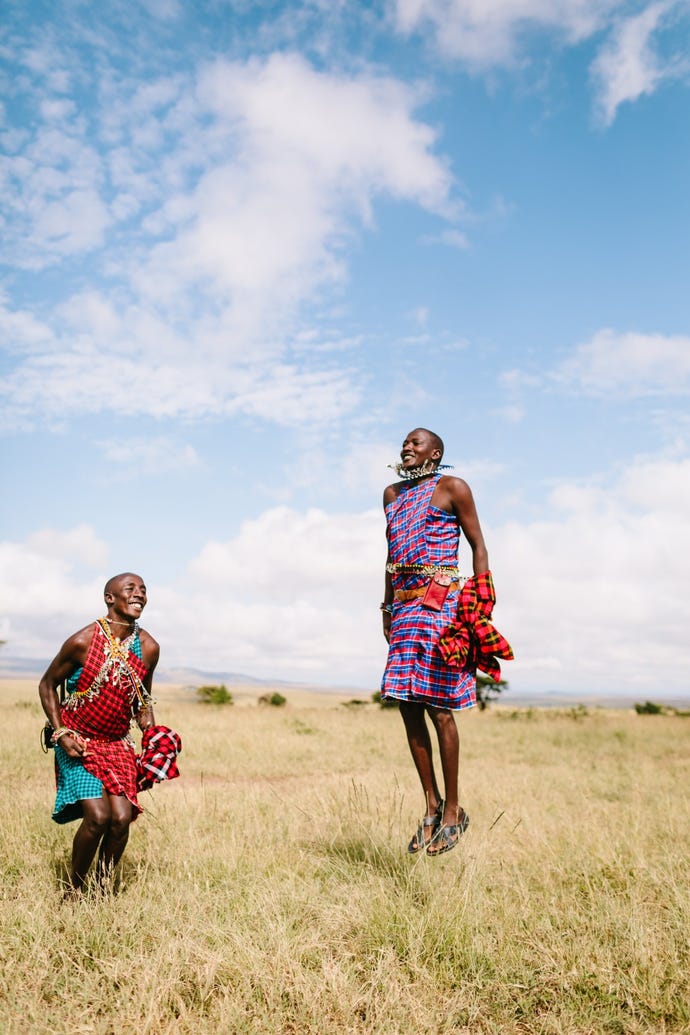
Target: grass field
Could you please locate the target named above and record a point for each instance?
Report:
(268, 890)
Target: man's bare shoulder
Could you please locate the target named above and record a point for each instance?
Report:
(75, 648)
(453, 494)
(449, 479)
(391, 492)
(80, 639)
(453, 485)
(150, 648)
(145, 637)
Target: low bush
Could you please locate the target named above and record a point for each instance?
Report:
(214, 694)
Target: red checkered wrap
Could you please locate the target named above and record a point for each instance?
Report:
(472, 640)
(105, 711)
(114, 763)
(160, 747)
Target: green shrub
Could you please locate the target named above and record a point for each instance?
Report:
(488, 690)
(376, 698)
(650, 708)
(276, 699)
(214, 694)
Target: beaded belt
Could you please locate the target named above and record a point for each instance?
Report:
(422, 569)
(411, 594)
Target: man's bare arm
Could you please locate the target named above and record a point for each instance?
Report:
(71, 655)
(462, 504)
(150, 654)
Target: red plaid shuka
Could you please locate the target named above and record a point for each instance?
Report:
(108, 692)
(160, 747)
(472, 640)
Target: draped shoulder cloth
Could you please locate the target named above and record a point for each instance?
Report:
(472, 641)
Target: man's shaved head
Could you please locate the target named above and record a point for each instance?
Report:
(114, 579)
(436, 440)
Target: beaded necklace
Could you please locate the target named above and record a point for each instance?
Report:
(410, 474)
(115, 666)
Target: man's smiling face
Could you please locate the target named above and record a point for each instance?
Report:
(127, 596)
(419, 445)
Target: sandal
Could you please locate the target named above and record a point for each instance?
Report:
(419, 840)
(446, 837)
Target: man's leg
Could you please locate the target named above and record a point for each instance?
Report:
(117, 835)
(448, 743)
(96, 812)
(421, 750)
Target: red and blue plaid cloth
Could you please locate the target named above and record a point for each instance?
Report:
(419, 533)
(160, 747)
(472, 641)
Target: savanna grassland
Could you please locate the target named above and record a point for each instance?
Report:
(268, 890)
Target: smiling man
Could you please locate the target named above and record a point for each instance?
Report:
(425, 514)
(108, 669)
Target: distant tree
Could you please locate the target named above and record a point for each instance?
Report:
(488, 690)
(389, 703)
(275, 699)
(650, 708)
(214, 694)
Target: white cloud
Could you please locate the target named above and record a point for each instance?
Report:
(252, 185)
(46, 595)
(628, 65)
(629, 364)
(148, 456)
(52, 195)
(293, 595)
(593, 595)
(511, 414)
(486, 33)
(81, 542)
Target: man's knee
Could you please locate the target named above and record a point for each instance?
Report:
(412, 713)
(96, 816)
(444, 721)
(120, 817)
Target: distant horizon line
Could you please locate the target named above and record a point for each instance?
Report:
(31, 669)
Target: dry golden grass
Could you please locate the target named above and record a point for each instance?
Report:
(268, 890)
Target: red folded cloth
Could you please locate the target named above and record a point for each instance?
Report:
(160, 747)
(472, 641)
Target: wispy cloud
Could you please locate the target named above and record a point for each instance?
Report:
(629, 364)
(249, 183)
(498, 33)
(148, 456)
(630, 64)
(493, 32)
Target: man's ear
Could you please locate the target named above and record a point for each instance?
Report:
(108, 597)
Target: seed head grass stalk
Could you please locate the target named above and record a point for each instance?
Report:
(269, 890)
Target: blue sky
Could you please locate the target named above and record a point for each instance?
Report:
(247, 246)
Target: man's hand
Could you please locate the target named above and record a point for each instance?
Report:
(73, 745)
(387, 625)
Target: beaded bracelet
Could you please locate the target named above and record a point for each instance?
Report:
(388, 608)
(58, 733)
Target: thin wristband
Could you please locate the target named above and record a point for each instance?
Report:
(388, 608)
